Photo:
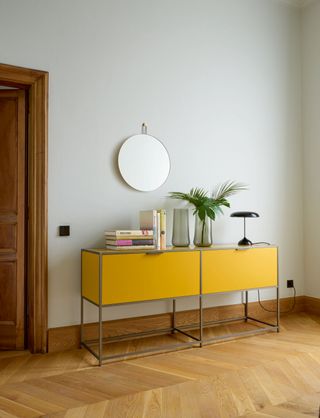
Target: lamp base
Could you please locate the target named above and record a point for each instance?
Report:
(245, 241)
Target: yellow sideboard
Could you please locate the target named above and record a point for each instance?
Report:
(113, 277)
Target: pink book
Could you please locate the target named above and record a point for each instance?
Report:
(123, 242)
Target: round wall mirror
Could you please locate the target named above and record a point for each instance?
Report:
(144, 162)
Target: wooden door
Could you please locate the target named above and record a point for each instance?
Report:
(12, 218)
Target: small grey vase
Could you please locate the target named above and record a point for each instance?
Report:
(180, 230)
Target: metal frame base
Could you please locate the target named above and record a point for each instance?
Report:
(211, 340)
(269, 326)
(180, 345)
(166, 347)
(227, 337)
(125, 337)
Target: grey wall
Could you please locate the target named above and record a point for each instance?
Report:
(311, 140)
(217, 81)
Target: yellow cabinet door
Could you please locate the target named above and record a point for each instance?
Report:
(90, 276)
(227, 270)
(138, 277)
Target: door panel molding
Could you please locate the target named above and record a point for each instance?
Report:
(12, 225)
(36, 83)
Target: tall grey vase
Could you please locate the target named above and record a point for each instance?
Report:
(180, 230)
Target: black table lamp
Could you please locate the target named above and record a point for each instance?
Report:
(244, 215)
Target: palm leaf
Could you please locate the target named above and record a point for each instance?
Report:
(229, 188)
(209, 206)
(196, 196)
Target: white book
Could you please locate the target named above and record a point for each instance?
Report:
(148, 221)
(144, 231)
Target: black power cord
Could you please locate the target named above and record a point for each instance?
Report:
(282, 312)
(294, 291)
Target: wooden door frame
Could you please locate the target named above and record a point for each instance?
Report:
(36, 83)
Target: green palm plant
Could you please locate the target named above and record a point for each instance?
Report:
(206, 206)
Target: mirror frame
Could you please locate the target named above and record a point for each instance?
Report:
(165, 149)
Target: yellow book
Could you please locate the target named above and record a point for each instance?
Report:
(163, 229)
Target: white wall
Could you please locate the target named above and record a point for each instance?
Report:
(311, 140)
(217, 81)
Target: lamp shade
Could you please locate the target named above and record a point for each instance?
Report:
(244, 214)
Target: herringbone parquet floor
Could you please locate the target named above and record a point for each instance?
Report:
(270, 375)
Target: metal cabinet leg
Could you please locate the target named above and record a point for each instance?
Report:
(246, 306)
(100, 335)
(278, 310)
(81, 308)
(200, 320)
(173, 323)
(100, 310)
(81, 323)
(200, 304)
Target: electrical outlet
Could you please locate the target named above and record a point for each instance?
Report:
(290, 283)
(64, 230)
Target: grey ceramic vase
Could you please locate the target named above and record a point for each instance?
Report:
(180, 230)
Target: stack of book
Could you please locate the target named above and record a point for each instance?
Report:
(150, 236)
(130, 240)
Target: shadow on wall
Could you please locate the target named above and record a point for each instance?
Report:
(115, 166)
